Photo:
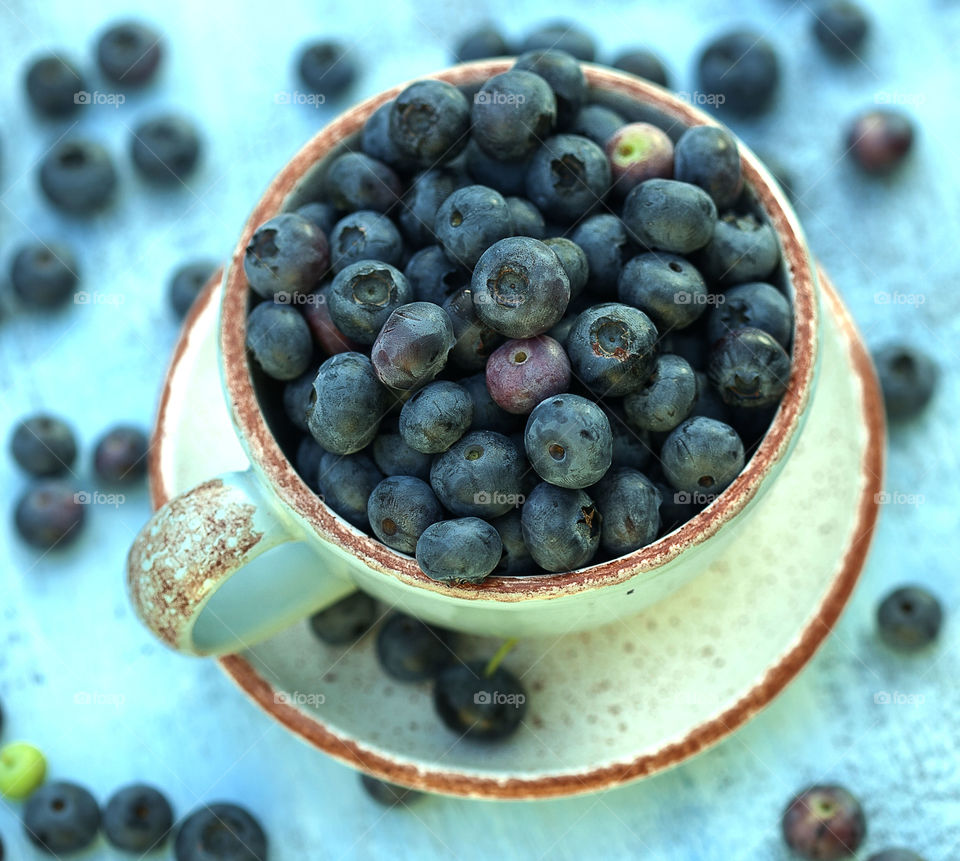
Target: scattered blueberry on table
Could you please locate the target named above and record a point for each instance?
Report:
(824, 823)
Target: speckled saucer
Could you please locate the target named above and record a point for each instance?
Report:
(608, 705)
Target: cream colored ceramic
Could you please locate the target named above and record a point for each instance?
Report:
(609, 705)
(243, 555)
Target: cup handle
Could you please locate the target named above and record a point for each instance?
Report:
(216, 569)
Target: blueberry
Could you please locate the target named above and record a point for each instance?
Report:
(346, 482)
(44, 274)
(400, 508)
(349, 404)
(908, 378)
(512, 114)
(879, 140)
(709, 403)
(702, 455)
(388, 794)
(433, 277)
(326, 67)
(909, 618)
(507, 177)
(393, 456)
(165, 149)
(279, 341)
(565, 77)
(596, 122)
(475, 339)
(220, 832)
(469, 221)
(526, 218)
(286, 255)
(322, 214)
(522, 372)
(631, 447)
(568, 441)
(708, 156)
(129, 53)
(666, 399)
(364, 295)
(515, 559)
(49, 514)
(487, 414)
(574, 261)
(365, 235)
(480, 43)
(54, 85)
(423, 198)
(61, 818)
(436, 417)
(562, 36)
(643, 63)
(561, 527)
(78, 176)
(841, 28)
(520, 288)
(825, 823)
(743, 68)
(479, 475)
(412, 347)
(376, 142)
(568, 176)
(895, 855)
(670, 216)
(604, 241)
(758, 305)
(137, 818)
(346, 621)
(638, 152)
(479, 706)
(612, 349)
(120, 455)
(749, 368)
(459, 551)
(43, 445)
(410, 650)
(630, 504)
(186, 283)
(324, 331)
(667, 287)
(430, 122)
(307, 459)
(355, 181)
(742, 249)
(690, 343)
(23, 768)
(678, 506)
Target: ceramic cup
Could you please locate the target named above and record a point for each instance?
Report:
(243, 555)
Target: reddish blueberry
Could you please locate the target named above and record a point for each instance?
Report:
(824, 823)
(879, 140)
(522, 372)
(637, 152)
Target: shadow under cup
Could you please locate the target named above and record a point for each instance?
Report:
(500, 605)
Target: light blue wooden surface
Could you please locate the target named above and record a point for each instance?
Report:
(78, 675)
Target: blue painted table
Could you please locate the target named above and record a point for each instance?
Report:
(79, 676)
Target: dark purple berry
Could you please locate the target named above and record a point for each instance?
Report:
(742, 249)
(433, 277)
(43, 445)
(568, 441)
(410, 650)
(666, 399)
(469, 221)
(672, 216)
(137, 819)
(423, 198)
(355, 181)
(325, 333)
(480, 475)
(757, 305)
(475, 339)
(55, 86)
(513, 113)
(841, 27)
(287, 254)
(430, 122)
(78, 176)
(165, 149)
(742, 68)
(50, 514)
(561, 527)
(220, 831)
(596, 122)
(909, 618)
(667, 287)
(436, 417)
(568, 177)
(400, 508)
(824, 823)
(326, 67)
(908, 378)
(565, 77)
(61, 818)
(604, 241)
(477, 705)
(749, 368)
(44, 274)
(644, 64)
(346, 482)
(364, 295)
(522, 372)
(186, 283)
(120, 455)
(702, 455)
(708, 156)
(465, 550)
(412, 347)
(365, 235)
(880, 139)
(128, 53)
(574, 261)
(630, 505)
(279, 340)
(346, 621)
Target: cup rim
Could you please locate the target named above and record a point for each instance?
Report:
(268, 458)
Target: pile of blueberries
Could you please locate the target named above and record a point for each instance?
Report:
(518, 297)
